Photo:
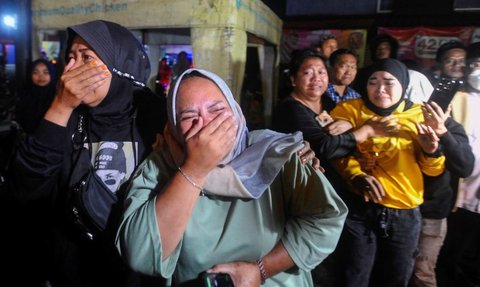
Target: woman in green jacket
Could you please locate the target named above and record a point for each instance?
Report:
(216, 198)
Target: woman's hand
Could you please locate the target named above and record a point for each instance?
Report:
(306, 154)
(435, 117)
(369, 187)
(338, 127)
(383, 126)
(377, 127)
(427, 138)
(243, 274)
(207, 145)
(75, 84)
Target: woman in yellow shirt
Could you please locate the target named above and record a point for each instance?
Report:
(380, 237)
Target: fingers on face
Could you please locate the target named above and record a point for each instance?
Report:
(87, 75)
(195, 128)
(223, 128)
(95, 76)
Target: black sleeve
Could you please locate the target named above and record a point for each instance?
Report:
(457, 150)
(151, 117)
(38, 162)
(291, 116)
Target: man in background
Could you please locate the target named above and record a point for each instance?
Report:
(450, 60)
(343, 69)
(328, 44)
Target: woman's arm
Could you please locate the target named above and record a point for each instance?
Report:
(453, 139)
(315, 219)
(75, 84)
(457, 150)
(206, 146)
(292, 116)
(253, 273)
(39, 161)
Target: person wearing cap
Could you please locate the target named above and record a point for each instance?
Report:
(104, 80)
(459, 259)
(249, 209)
(379, 240)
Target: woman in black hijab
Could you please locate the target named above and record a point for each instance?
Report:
(380, 236)
(34, 100)
(103, 83)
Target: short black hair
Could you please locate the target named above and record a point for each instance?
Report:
(299, 56)
(380, 38)
(326, 38)
(445, 47)
(335, 56)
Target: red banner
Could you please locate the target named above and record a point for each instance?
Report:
(420, 44)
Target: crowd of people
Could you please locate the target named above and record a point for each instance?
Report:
(199, 199)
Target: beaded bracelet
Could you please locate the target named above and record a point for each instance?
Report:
(190, 180)
(261, 268)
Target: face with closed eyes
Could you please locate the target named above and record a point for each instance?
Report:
(383, 89)
(198, 97)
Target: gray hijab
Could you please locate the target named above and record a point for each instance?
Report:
(256, 158)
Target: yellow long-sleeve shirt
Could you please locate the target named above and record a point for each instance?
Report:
(399, 159)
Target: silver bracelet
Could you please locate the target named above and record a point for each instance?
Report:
(261, 268)
(190, 180)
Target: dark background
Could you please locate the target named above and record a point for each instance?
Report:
(345, 14)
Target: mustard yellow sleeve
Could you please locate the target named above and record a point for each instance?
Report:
(348, 111)
(431, 166)
(348, 167)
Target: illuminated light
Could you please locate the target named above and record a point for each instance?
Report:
(10, 21)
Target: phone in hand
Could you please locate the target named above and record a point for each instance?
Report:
(443, 93)
(217, 280)
(324, 119)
